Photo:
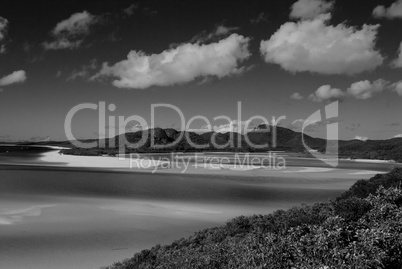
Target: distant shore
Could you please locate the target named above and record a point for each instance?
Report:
(306, 169)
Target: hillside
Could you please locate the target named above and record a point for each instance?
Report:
(286, 139)
(360, 229)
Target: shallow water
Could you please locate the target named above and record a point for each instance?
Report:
(63, 217)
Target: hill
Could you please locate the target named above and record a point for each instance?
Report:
(158, 139)
(360, 229)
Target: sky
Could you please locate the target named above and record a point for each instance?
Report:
(275, 58)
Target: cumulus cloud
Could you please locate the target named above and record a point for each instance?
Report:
(179, 65)
(3, 32)
(397, 87)
(398, 135)
(326, 93)
(365, 89)
(397, 63)
(3, 27)
(314, 46)
(362, 90)
(219, 31)
(14, 77)
(296, 96)
(393, 11)
(361, 138)
(308, 9)
(69, 33)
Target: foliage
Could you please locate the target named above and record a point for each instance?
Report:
(358, 230)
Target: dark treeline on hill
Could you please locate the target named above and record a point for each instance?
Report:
(360, 229)
(157, 139)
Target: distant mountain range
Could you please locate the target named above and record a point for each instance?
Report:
(286, 140)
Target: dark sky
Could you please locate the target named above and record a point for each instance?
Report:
(202, 57)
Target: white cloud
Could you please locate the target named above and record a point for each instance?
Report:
(326, 93)
(234, 126)
(179, 65)
(361, 138)
(314, 46)
(398, 135)
(130, 9)
(218, 32)
(308, 9)
(397, 63)
(3, 32)
(362, 90)
(365, 89)
(3, 27)
(397, 87)
(14, 77)
(69, 33)
(296, 96)
(394, 11)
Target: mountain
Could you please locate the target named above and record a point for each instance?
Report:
(261, 138)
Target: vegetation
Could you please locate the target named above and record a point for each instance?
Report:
(157, 139)
(360, 229)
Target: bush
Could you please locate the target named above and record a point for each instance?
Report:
(360, 229)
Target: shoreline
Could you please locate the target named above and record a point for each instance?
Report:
(54, 158)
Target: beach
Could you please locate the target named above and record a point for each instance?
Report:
(63, 211)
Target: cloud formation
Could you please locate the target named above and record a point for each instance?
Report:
(365, 89)
(70, 33)
(131, 9)
(3, 28)
(397, 63)
(296, 96)
(361, 138)
(3, 31)
(392, 12)
(315, 46)
(14, 77)
(308, 9)
(362, 90)
(219, 31)
(326, 93)
(179, 65)
(397, 87)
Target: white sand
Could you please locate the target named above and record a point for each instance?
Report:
(160, 165)
(13, 216)
(311, 170)
(372, 161)
(99, 161)
(367, 173)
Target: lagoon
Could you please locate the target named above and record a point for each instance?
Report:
(59, 213)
